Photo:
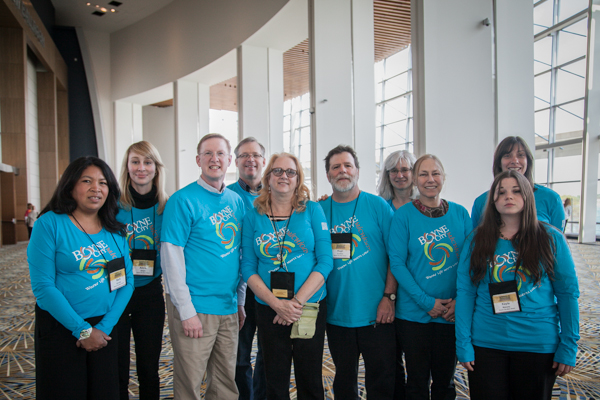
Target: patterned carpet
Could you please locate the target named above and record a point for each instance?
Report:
(17, 374)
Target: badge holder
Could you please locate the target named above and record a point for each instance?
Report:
(341, 245)
(282, 284)
(143, 262)
(505, 297)
(117, 277)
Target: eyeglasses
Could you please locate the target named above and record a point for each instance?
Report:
(256, 156)
(210, 154)
(403, 171)
(289, 172)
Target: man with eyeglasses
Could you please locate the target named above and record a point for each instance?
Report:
(361, 291)
(200, 252)
(250, 161)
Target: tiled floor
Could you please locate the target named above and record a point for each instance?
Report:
(17, 374)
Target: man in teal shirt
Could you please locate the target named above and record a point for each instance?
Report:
(250, 161)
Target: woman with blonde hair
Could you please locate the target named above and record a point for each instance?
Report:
(286, 259)
(425, 240)
(141, 208)
(396, 184)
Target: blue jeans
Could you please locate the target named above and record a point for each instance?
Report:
(251, 387)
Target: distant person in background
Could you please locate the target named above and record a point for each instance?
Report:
(27, 211)
(30, 219)
(143, 200)
(568, 211)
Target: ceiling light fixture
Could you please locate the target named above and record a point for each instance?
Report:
(99, 10)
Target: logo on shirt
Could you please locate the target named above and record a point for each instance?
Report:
(143, 234)
(226, 231)
(505, 264)
(437, 253)
(272, 250)
(346, 227)
(91, 259)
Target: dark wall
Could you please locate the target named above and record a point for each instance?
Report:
(82, 133)
(45, 10)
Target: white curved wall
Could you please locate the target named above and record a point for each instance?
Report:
(181, 38)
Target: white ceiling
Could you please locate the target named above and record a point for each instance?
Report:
(78, 14)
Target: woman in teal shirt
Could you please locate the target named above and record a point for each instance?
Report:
(517, 318)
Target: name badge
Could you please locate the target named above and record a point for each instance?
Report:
(341, 245)
(505, 297)
(143, 262)
(282, 284)
(117, 277)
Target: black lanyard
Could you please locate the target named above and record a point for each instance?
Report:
(153, 227)
(353, 213)
(280, 242)
(94, 243)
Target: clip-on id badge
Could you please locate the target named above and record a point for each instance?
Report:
(282, 284)
(505, 297)
(117, 278)
(143, 262)
(341, 245)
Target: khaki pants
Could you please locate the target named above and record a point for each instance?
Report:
(214, 353)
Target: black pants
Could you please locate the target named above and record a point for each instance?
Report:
(65, 371)
(250, 386)
(279, 350)
(378, 348)
(400, 389)
(145, 315)
(430, 353)
(511, 375)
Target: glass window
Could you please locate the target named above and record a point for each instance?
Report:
(572, 42)
(569, 86)
(543, 16)
(542, 90)
(542, 54)
(542, 124)
(396, 86)
(541, 167)
(571, 190)
(568, 8)
(567, 122)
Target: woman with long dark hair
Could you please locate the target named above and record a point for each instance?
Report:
(142, 203)
(513, 154)
(425, 240)
(286, 258)
(81, 276)
(517, 319)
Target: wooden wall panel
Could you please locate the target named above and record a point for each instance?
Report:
(62, 127)
(47, 134)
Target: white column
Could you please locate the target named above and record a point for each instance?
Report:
(187, 130)
(591, 130)
(138, 125)
(126, 123)
(159, 129)
(260, 96)
(453, 92)
(514, 70)
(342, 85)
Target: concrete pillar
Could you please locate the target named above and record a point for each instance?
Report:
(47, 135)
(192, 103)
(128, 130)
(453, 90)
(514, 70)
(591, 130)
(260, 96)
(342, 85)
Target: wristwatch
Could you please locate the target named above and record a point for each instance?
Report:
(86, 333)
(391, 296)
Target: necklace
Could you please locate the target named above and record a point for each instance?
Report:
(504, 237)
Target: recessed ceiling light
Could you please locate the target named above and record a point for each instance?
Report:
(98, 13)
(115, 3)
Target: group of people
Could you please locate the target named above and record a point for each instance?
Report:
(402, 275)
